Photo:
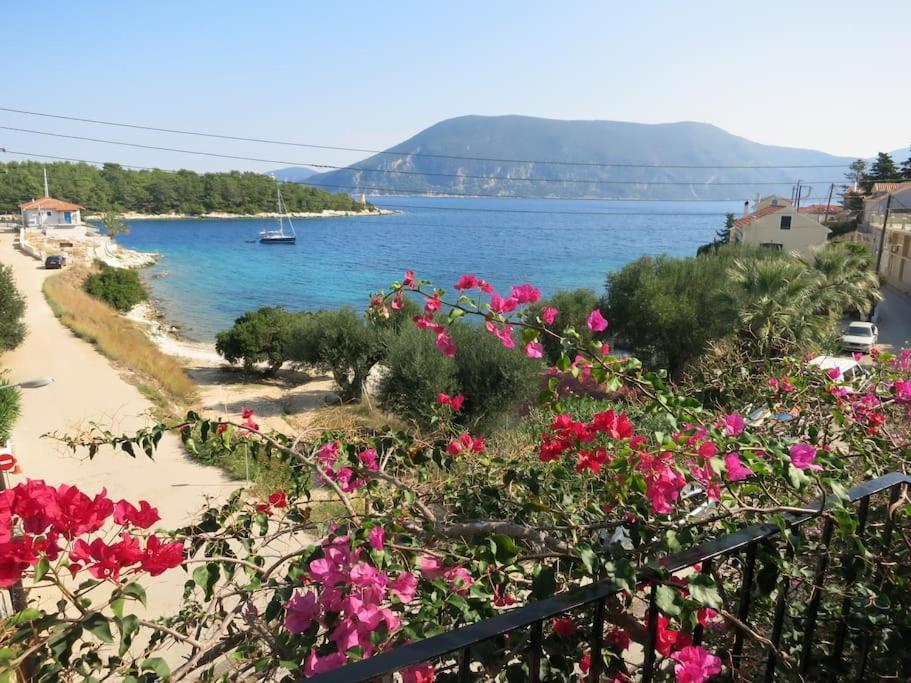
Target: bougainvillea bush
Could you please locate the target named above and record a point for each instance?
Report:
(446, 527)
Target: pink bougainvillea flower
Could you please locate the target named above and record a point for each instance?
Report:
(668, 639)
(459, 580)
(315, 664)
(432, 304)
(596, 321)
(663, 488)
(833, 373)
(857, 356)
(404, 587)
(422, 673)
(408, 280)
(695, 665)
(708, 617)
(431, 568)
(368, 459)
(501, 305)
(736, 471)
(525, 294)
(377, 537)
(445, 345)
(454, 402)
(733, 424)
(902, 389)
(534, 349)
(301, 611)
(467, 281)
(803, 456)
(126, 513)
(549, 315)
(613, 424)
(707, 450)
(246, 413)
(564, 628)
(465, 443)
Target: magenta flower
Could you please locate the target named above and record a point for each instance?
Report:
(501, 305)
(596, 321)
(377, 537)
(300, 611)
(368, 459)
(733, 424)
(534, 349)
(695, 665)
(549, 315)
(431, 568)
(833, 373)
(467, 281)
(736, 470)
(803, 455)
(525, 294)
(317, 665)
(445, 345)
(404, 587)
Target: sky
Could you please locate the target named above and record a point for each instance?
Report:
(820, 74)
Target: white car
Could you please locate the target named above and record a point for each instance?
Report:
(860, 337)
(851, 374)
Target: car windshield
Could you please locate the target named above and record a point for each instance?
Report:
(860, 331)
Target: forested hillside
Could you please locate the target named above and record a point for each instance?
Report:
(157, 192)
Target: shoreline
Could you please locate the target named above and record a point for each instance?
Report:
(220, 215)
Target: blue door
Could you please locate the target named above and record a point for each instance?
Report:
(67, 217)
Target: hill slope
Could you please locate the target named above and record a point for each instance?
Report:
(528, 139)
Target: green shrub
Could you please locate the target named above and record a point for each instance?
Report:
(493, 379)
(9, 410)
(120, 288)
(12, 310)
(574, 307)
(258, 337)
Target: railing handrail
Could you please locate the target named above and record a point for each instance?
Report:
(447, 643)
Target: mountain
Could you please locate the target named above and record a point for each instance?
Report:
(529, 141)
(293, 174)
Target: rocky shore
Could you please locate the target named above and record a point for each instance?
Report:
(326, 213)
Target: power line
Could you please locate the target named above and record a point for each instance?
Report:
(460, 176)
(423, 193)
(400, 153)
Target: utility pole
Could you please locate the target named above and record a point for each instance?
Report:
(882, 238)
(825, 218)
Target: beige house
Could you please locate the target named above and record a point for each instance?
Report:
(774, 223)
(895, 265)
(53, 217)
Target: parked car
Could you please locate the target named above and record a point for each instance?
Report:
(851, 373)
(860, 336)
(52, 262)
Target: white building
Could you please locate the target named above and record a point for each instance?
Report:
(53, 216)
(774, 223)
(895, 261)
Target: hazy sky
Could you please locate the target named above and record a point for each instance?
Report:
(824, 74)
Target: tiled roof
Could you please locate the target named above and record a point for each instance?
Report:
(890, 188)
(49, 203)
(817, 209)
(765, 211)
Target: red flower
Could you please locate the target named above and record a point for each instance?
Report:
(618, 638)
(564, 628)
(279, 499)
(409, 279)
(221, 428)
(15, 557)
(126, 513)
(158, 557)
(614, 425)
(670, 640)
(79, 514)
(525, 294)
(468, 281)
(247, 413)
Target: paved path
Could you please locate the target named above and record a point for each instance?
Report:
(894, 319)
(87, 388)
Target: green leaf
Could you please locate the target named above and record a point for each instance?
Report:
(25, 616)
(506, 548)
(669, 601)
(41, 568)
(117, 606)
(134, 590)
(702, 590)
(622, 573)
(158, 665)
(588, 557)
(98, 626)
(544, 582)
(128, 627)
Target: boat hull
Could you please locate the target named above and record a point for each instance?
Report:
(277, 240)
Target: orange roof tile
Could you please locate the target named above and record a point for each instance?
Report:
(817, 209)
(765, 211)
(49, 203)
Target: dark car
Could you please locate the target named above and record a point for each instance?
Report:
(54, 262)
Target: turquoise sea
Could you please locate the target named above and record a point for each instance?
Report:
(214, 270)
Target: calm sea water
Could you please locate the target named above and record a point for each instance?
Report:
(211, 271)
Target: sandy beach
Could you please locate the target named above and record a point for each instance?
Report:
(87, 389)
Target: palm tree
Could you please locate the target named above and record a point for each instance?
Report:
(849, 280)
(774, 305)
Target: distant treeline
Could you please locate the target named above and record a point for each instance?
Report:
(157, 192)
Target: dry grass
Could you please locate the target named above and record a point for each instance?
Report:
(160, 376)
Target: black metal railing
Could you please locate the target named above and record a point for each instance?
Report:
(457, 645)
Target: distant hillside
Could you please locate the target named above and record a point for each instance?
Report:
(293, 174)
(530, 140)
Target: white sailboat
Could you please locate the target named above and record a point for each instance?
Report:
(279, 236)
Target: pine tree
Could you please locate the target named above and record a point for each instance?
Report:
(857, 172)
(723, 235)
(906, 168)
